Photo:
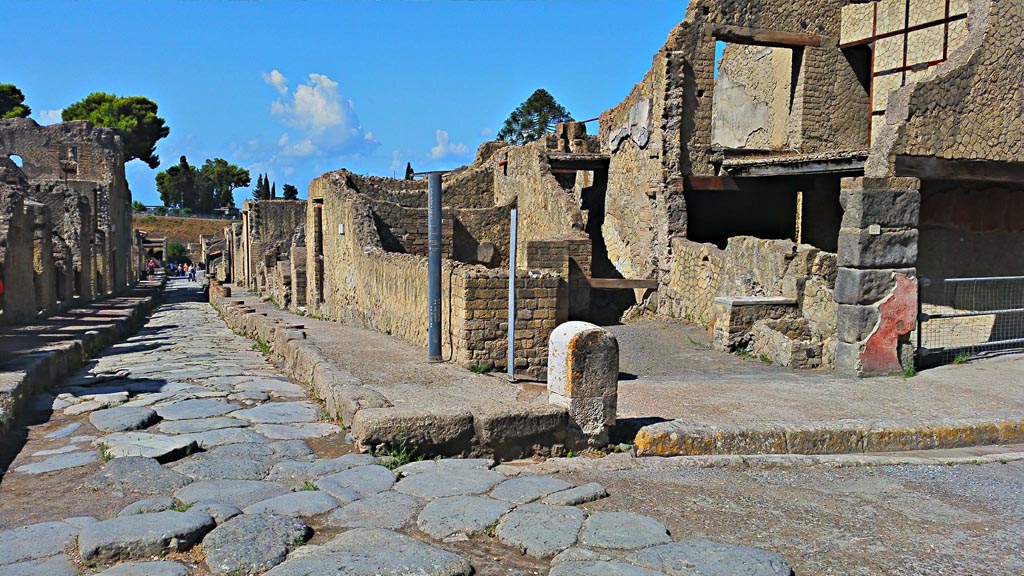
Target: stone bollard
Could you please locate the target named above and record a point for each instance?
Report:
(583, 377)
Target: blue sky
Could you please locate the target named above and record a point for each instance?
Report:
(299, 88)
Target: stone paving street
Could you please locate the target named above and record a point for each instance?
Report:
(183, 451)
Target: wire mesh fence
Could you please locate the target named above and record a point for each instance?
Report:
(961, 318)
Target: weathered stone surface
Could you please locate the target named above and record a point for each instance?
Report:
(147, 569)
(577, 554)
(864, 287)
(357, 483)
(576, 496)
(860, 249)
(238, 493)
(195, 409)
(437, 431)
(600, 569)
(541, 530)
(158, 446)
(855, 323)
(710, 559)
(291, 449)
(279, 413)
(59, 462)
(35, 541)
(136, 474)
(214, 467)
(466, 515)
(292, 472)
(143, 535)
(527, 488)
(512, 433)
(123, 418)
(298, 431)
(253, 542)
(622, 530)
(147, 506)
(199, 425)
(221, 436)
(374, 552)
(442, 484)
(249, 450)
(65, 431)
(389, 510)
(272, 386)
(220, 511)
(298, 504)
(59, 565)
(884, 207)
(452, 464)
(583, 371)
(52, 451)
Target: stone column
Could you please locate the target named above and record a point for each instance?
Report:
(583, 377)
(876, 286)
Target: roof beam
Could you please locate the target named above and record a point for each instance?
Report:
(763, 37)
(931, 168)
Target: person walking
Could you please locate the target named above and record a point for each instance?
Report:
(192, 273)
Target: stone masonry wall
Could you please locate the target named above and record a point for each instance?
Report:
(18, 301)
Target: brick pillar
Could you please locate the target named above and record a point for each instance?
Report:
(583, 377)
(876, 287)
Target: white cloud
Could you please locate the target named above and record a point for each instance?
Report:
(486, 132)
(396, 160)
(326, 121)
(288, 170)
(445, 147)
(277, 80)
(46, 117)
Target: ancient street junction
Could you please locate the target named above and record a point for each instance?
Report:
(818, 206)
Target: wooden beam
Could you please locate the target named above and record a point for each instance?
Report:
(712, 183)
(839, 166)
(931, 168)
(764, 37)
(622, 284)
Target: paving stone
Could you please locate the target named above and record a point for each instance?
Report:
(217, 467)
(158, 446)
(84, 407)
(279, 413)
(35, 541)
(466, 515)
(123, 418)
(199, 425)
(149, 399)
(600, 569)
(221, 512)
(299, 504)
(291, 449)
(193, 409)
(444, 464)
(541, 530)
(51, 452)
(65, 431)
(274, 387)
(357, 483)
(577, 554)
(374, 552)
(253, 450)
(576, 496)
(221, 436)
(293, 472)
(143, 535)
(147, 569)
(238, 493)
(59, 565)
(249, 396)
(297, 431)
(389, 510)
(527, 488)
(253, 542)
(136, 474)
(444, 483)
(59, 462)
(147, 506)
(623, 530)
(82, 438)
(705, 558)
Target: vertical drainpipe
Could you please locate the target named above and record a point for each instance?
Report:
(510, 355)
(434, 267)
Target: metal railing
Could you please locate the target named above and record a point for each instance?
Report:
(961, 318)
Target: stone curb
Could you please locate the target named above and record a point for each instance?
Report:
(373, 420)
(680, 438)
(43, 367)
(839, 460)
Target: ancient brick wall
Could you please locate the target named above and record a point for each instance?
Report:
(268, 230)
(475, 226)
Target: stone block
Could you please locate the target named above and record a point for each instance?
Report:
(855, 323)
(437, 431)
(886, 208)
(510, 434)
(866, 286)
(583, 361)
(862, 249)
(848, 358)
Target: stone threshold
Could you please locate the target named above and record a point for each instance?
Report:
(49, 364)
(681, 438)
(374, 422)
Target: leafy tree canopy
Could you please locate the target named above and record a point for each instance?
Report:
(201, 190)
(224, 177)
(133, 116)
(533, 118)
(12, 102)
(289, 192)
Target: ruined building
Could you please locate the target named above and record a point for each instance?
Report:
(67, 212)
(787, 196)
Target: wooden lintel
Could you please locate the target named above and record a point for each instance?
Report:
(564, 166)
(932, 168)
(622, 284)
(843, 166)
(713, 183)
(764, 37)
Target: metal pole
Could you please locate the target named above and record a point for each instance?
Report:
(434, 267)
(510, 356)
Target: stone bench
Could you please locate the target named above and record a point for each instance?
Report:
(734, 317)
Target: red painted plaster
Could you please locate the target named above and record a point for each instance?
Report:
(898, 317)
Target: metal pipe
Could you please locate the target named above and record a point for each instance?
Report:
(510, 355)
(434, 267)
